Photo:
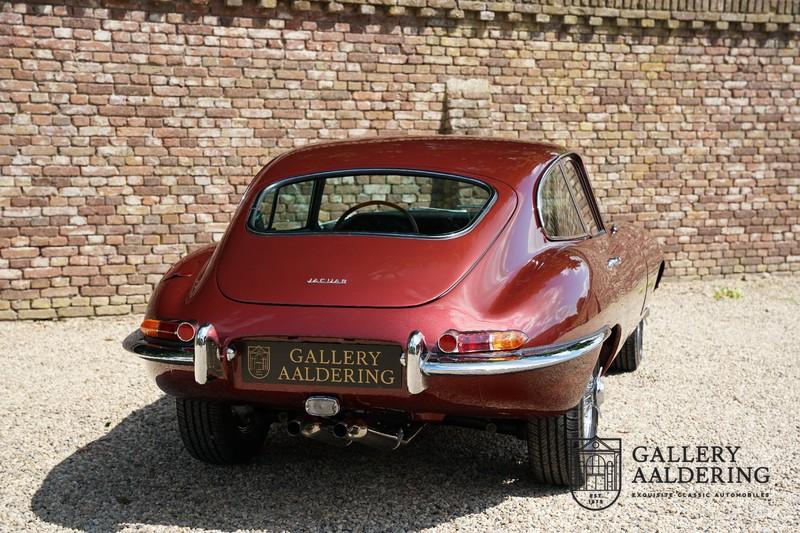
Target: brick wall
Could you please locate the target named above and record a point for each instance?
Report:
(128, 130)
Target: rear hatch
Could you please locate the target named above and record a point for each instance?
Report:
(349, 270)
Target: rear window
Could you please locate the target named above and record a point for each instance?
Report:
(407, 204)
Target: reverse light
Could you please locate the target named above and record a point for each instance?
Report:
(481, 341)
(168, 329)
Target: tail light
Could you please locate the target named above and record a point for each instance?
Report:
(481, 341)
(168, 329)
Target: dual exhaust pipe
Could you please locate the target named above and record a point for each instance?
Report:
(345, 433)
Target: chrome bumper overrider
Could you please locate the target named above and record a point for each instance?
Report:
(205, 347)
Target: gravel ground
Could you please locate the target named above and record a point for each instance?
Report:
(87, 442)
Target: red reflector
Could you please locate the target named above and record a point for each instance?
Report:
(170, 330)
(185, 331)
(448, 343)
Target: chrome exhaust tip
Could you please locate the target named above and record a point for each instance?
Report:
(350, 431)
(319, 431)
(340, 430)
(345, 433)
(294, 427)
(311, 429)
(370, 437)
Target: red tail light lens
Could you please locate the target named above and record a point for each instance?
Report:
(168, 329)
(481, 341)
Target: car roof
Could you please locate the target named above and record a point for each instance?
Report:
(506, 160)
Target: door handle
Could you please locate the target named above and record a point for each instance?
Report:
(614, 261)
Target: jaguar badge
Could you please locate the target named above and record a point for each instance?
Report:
(326, 281)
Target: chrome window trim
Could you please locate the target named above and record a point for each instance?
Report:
(572, 195)
(588, 193)
(366, 171)
(547, 173)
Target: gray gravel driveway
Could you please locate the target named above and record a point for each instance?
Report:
(87, 442)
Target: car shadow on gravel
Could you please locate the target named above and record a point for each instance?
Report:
(139, 474)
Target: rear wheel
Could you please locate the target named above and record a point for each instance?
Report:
(551, 441)
(220, 433)
(630, 356)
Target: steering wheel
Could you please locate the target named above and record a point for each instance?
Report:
(341, 221)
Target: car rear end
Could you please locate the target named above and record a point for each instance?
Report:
(357, 306)
(291, 304)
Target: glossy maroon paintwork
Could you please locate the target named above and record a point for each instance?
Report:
(503, 274)
(404, 271)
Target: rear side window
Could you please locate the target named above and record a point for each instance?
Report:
(405, 204)
(560, 218)
(287, 208)
(579, 193)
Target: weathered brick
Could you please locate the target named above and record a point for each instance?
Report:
(126, 143)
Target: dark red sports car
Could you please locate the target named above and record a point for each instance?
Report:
(367, 288)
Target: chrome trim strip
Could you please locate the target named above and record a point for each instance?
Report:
(169, 358)
(477, 180)
(556, 163)
(526, 358)
(204, 348)
(143, 347)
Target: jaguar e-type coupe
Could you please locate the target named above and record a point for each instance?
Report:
(367, 288)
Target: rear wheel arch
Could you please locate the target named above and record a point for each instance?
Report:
(610, 347)
(630, 354)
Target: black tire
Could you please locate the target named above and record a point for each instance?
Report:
(552, 445)
(214, 433)
(630, 356)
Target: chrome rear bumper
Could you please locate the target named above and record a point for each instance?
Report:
(164, 352)
(420, 365)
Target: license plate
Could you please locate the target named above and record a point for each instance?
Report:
(375, 366)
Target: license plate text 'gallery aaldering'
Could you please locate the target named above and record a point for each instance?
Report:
(338, 365)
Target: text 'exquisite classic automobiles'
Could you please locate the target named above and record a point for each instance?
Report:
(367, 288)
